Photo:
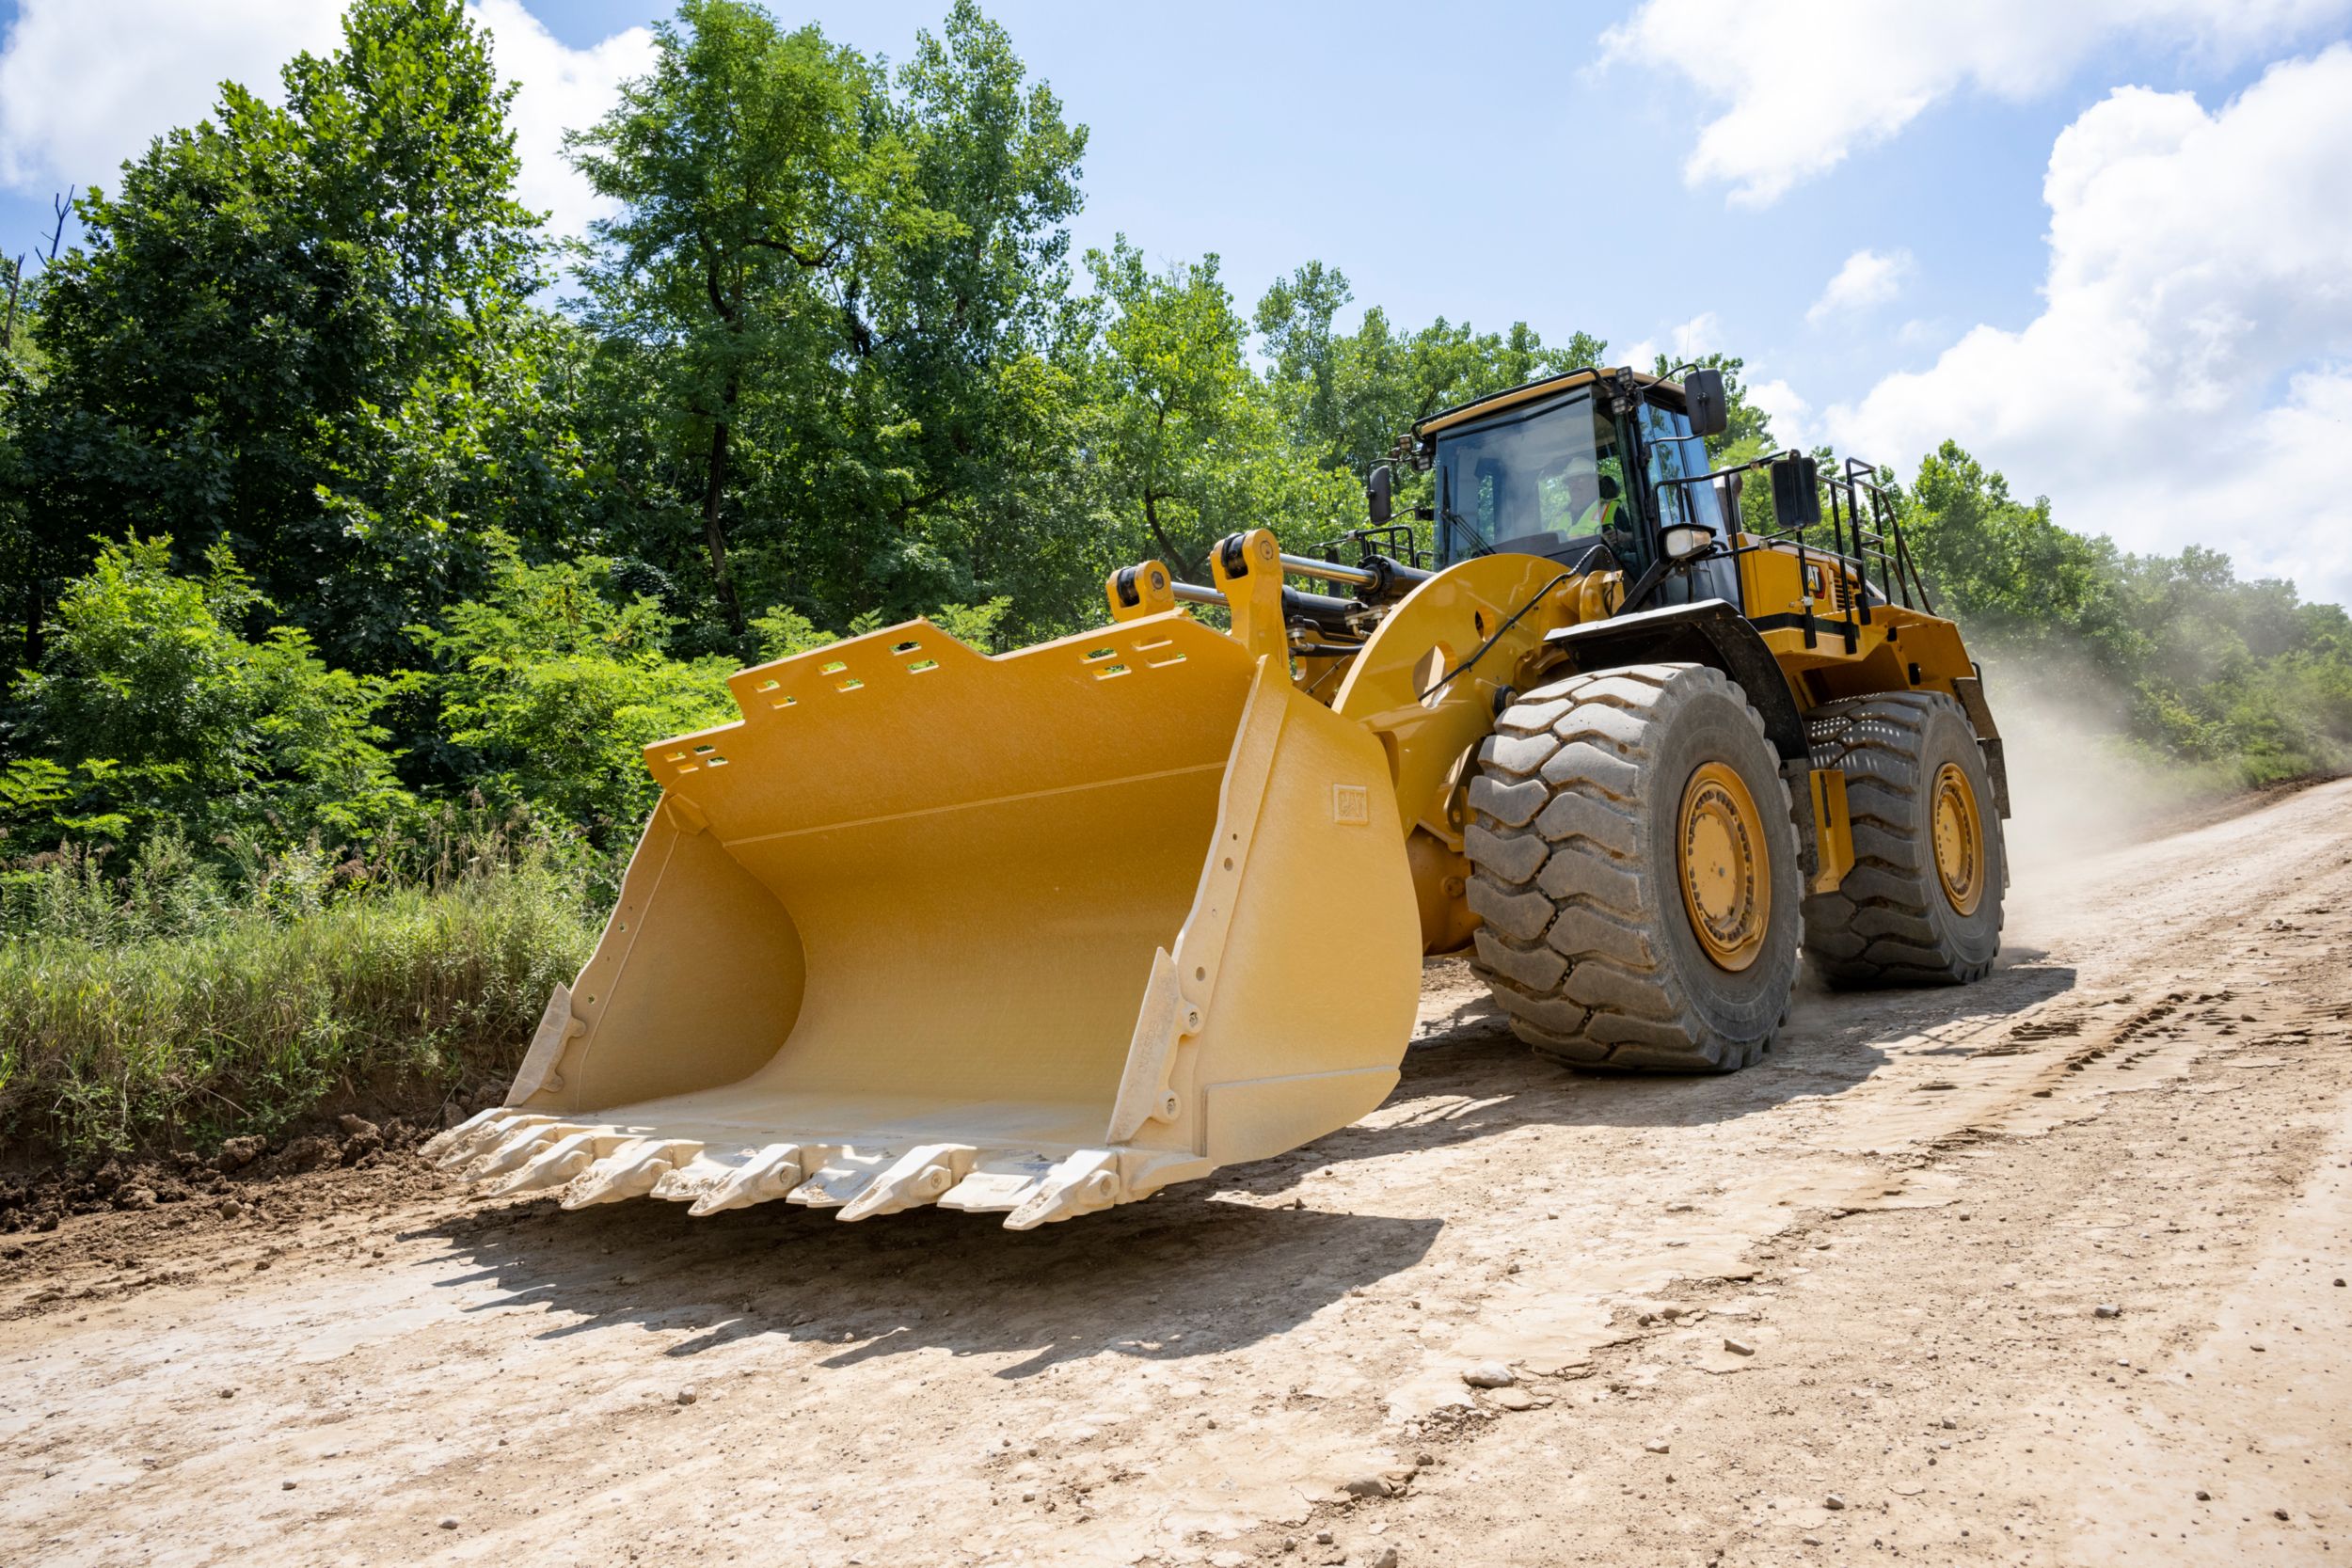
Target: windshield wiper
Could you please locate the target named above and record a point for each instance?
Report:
(1462, 528)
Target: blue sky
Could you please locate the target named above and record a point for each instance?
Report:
(1656, 173)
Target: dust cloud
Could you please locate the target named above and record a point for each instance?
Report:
(2080, 786)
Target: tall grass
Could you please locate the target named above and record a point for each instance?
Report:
(177, 1006)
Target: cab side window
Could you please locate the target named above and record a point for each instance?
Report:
(1675, 454)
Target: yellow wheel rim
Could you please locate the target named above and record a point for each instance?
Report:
(1958, 839)
(1721, 860)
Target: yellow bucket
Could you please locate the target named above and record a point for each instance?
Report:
(1035, 933)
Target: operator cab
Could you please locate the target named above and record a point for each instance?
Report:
(1575, 468)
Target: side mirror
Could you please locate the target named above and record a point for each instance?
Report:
(1796, 492)
(1704, 400)
(1379, 491)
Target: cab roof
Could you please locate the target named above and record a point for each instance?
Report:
(1530, 391)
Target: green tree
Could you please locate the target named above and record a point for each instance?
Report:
(839, 291)
(1189, 445)
(1296, 321)
(952, 321)
(1347, 396)
(1176, 388)
(2199, 665)
(743, 169)
(2006, 567)
(270, 290)
(152, 711)
(556, 686)
(28, 553)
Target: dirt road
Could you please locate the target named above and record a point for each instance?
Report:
(1851, 1305)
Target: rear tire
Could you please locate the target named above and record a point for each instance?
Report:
(1908, 914)
(1606, 942)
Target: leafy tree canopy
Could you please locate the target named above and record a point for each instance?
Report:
(278, 308)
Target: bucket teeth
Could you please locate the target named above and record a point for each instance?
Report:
(485, 1132)
(1086, 1181)
(834, 1181)
(772, 1172)
(696, 1176)
(509, 1151)
(554, 1164)
(630, 1171)
(921, 1175)
(516, 1151)
(999, 1182)
(440, 1144)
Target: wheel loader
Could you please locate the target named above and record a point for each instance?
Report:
(1042, 932)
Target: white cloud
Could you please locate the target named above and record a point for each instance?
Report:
(1805, 82)
(562, 89)
(2189, 378)
(87, 84)
(1868, 279)
(1701, 334)
(1791, 415)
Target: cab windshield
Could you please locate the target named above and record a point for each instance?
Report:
(1548, 483)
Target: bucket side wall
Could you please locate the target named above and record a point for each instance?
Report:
(697, 981)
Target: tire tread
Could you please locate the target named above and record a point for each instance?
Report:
(1876, 929)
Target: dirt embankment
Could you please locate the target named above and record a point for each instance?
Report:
(2041, 1271)
(36, 1194)
(241, 1171)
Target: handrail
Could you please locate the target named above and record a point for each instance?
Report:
(1855, 542)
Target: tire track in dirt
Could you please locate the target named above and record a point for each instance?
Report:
(1766, 1465)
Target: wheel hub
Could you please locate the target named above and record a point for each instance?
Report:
(1721, 864)
(1958, 839)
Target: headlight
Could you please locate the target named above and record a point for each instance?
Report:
(1685, 540)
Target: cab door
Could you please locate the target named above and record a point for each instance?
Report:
(1671, 453)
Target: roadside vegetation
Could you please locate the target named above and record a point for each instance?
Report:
(356, 536)
(171, 1005)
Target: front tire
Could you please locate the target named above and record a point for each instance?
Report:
(1634, 864)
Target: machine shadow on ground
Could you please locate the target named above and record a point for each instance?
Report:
(1151, 1280)
(1154, 1279)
